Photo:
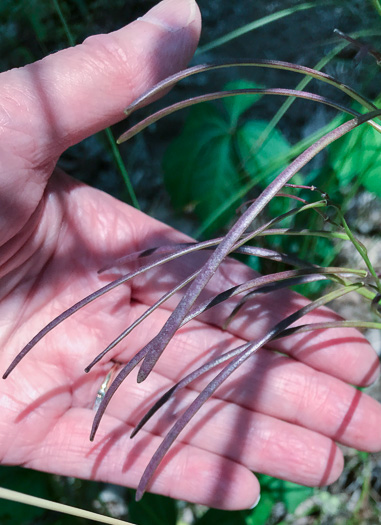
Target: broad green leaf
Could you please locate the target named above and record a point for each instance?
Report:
(261, 513)
(358, 156)
(257, 162)
(274, 149)
(291, 494)
(153, 509)
(372, 179)
(200, 165)
(236, 106)
(211, 160)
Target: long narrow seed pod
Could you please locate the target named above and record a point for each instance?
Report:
(140, 319)
(170, 252)
(263, 283)
(223, 375)
(159, 343)
(272, 282)
(285, 282)
(95, 295)
(158, 115)
(269, 64)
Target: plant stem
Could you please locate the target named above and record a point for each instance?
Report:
(69, 34)
(12, 495)
(122, 168)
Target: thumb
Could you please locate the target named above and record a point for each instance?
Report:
(49, 105)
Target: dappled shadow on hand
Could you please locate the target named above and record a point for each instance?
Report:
(48, 396)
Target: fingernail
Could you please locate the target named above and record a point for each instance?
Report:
(256, 502)
(172, 15)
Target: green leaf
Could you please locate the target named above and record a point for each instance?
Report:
(358, 156)
(153, 509)
(203, 166)
(200, 165)
(274, 148)
(262, 512)
(291, 494)
(372, 180)
(236, 106)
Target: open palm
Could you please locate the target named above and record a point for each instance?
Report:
(278, 414)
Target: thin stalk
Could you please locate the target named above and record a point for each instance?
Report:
(253, 347)
(65, 25)
(122, 168)
(294, 232)
(12, 495)
(370, 325)
(377, 6)
(360, 248)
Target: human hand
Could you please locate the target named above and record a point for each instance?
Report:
(277, 414)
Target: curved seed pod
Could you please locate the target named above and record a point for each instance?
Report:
(251, 348)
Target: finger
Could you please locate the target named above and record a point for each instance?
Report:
(69, 95)
(56, 102)
(188, 473)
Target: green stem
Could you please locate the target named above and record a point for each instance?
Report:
(360, 248)
(69, 34)
(122, 168)
(366, 486)
(377, 6)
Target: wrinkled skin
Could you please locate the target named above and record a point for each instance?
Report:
(280, 414)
